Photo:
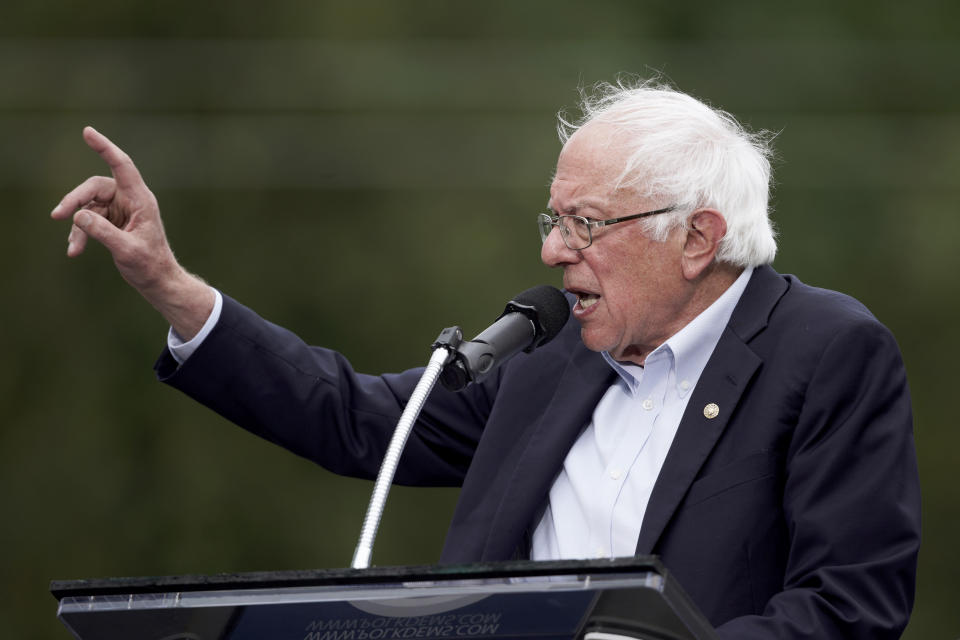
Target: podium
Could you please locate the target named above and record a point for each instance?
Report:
(557, 600)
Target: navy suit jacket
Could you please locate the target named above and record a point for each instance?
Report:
(794, 513)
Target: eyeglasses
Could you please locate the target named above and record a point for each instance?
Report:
(576, 231)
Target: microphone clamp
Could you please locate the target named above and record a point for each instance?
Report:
(455, 375)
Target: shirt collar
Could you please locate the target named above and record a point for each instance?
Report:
(690, 348)
(629, 373)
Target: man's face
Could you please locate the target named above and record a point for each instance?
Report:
(631, 290)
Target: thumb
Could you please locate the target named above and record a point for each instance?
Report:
(99, 228)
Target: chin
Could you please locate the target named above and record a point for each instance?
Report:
(595, 343)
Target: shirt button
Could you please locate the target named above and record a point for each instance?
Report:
(615, 474)
(647, 404)
(685, 384)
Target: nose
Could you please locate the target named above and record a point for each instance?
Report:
(554, 253)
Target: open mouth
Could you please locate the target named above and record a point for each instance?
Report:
(587, 300)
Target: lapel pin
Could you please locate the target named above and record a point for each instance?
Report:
(711, 411)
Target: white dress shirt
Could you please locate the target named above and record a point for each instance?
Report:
(598, 500)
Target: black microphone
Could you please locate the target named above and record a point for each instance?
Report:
(532, 319)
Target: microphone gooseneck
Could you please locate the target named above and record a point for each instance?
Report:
(530, 320)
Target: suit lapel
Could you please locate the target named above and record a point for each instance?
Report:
(722, 383)
(580, 387)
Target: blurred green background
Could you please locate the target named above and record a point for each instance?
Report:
(366, 173)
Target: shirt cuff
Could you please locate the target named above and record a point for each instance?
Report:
(181, 350)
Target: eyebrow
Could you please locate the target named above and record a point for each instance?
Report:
(575, 209)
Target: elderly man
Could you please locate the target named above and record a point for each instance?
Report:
(753, 431)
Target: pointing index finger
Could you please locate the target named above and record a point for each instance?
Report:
(122, 167)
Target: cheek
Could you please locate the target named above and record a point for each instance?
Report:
(629, 303)
(623, 289)
(624, 269)
(626, 306)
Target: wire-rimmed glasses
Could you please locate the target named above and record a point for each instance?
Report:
(577, 232)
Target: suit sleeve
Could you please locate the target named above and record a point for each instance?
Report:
(309, 400)
(851, 500)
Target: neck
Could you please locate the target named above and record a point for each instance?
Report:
(702, 292)
(710, 285)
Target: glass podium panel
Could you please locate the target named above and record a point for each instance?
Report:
(495, 601)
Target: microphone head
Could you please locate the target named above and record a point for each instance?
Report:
(546, 307)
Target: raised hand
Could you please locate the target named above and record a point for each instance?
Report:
(122, 214)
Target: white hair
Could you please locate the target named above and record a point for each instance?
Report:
(682, 152)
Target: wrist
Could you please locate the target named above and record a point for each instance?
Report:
(184, 300)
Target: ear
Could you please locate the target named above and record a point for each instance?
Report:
(705, 230)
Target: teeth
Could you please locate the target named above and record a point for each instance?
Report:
(588, 300)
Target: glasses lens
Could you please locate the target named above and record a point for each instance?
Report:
(545, 224)
(573, 229)
(578, 232)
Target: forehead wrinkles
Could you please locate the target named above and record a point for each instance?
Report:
(589, 169)
(572, 197)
